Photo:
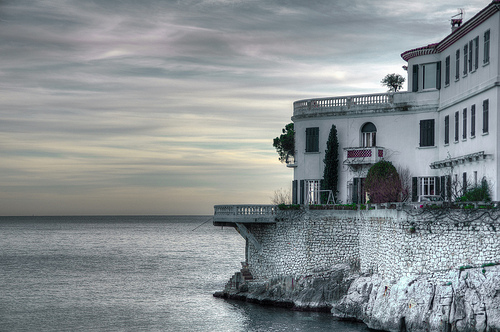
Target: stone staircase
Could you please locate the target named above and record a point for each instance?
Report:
(239, 278)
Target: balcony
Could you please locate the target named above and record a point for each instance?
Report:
(230, 215)
(363, 156)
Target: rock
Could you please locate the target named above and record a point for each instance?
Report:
(470, 302)
(467, 301)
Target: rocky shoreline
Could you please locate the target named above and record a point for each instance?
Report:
(465, 300)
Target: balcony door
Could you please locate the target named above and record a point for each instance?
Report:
(368, 135)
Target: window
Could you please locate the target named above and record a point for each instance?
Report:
(369, 135)
(427, 186)
(429, 79)
(456, 126)
(464, 122)
(447, 71)
(457, 65)
(312, 139)
(486, 47)
(427, 132)
(312, 190)
(473, 121)
(447, 129)
(466, 53)
(485, 116)
(414, 83)
(476, 52)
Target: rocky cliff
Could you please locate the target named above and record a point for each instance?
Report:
(468, 301)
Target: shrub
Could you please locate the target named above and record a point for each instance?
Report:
(383, 183)
(477, 194)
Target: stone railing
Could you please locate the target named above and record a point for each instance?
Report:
(245, 213)
(372, 99)
(370, 102)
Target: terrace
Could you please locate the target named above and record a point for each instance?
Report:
(374, 103)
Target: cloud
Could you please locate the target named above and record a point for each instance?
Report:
(136, 107)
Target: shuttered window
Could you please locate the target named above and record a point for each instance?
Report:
(457, 119)
(476, 52)
(447, 129)
(486, 47)
(464, 123)
(427, 132)
(485, 115)
(312, 139)
(473, 120)
(447, 71)
(457, 65)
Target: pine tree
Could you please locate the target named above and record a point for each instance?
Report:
(331, 172)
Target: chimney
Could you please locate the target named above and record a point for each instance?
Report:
(455, 23)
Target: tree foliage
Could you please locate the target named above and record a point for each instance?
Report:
(383, 183)
(331, 171)
(393, 81)
(285, 143)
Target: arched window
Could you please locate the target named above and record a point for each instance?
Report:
(369, 135)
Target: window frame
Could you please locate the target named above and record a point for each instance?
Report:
(457, 120)
(457, 65)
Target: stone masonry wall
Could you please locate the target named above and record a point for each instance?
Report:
(389, 242)
(304, 242)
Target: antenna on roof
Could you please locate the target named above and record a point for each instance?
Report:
(456, 21)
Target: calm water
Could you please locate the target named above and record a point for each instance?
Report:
(130, 274)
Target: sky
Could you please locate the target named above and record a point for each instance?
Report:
(116, 107)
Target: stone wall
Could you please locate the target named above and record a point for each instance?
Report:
(391, 243)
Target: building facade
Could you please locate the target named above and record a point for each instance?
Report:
(442, 132)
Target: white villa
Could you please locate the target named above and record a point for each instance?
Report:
(443, 130)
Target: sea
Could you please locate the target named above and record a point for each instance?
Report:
(131, 273)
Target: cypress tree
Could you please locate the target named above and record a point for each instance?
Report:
(331, 172)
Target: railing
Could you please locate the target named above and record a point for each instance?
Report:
(358, 103)
(247, 213)
(245, 210)
(372, 99)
